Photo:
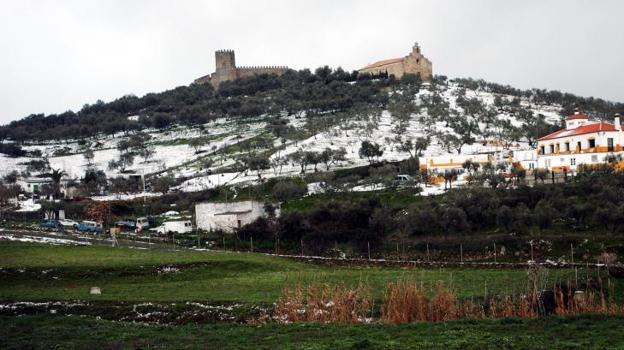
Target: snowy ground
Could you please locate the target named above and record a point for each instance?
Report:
(172, 154)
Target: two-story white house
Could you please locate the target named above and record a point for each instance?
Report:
(581, 142)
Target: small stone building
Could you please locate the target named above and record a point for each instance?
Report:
(414, 63)
(228, 216)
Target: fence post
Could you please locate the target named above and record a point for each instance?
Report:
(302, 247)
(397, 251)
(428, 259)
(251, 243)
(572, 252)
(495, 252)
(368, 245)
(532, 259)
(461, 253)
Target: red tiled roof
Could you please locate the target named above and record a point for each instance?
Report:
(583, 129)
(576, 116)
(383, 63)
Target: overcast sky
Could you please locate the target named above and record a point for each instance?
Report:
(59, 55)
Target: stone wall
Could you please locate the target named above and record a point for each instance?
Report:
(226, 70)
(250, 71)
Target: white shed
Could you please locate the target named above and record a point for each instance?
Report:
(228, 216)
(33, 184)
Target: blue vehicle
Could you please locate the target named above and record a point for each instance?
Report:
(89, 227)
(127, 224)
(51, 225)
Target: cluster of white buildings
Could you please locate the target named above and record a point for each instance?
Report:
(583, 141)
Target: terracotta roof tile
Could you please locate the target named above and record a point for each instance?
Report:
(383, 63)
(583, 129)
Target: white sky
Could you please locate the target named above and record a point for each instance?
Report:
(59, 55)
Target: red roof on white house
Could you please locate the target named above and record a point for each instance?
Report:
(583, 129)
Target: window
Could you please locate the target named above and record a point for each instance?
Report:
(567, 147)
(594, 159)
(531, 166)
(591, 143)
(542, 150)
(572, 161)
(552, 148)
(610, 144)
(578, 146)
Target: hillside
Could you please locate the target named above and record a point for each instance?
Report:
(267, 126)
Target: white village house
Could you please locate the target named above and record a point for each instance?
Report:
(33, 184)
(454, 161)
(581, 142)
(228, 216)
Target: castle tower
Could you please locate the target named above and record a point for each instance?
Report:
(226, 70)
(225, 60)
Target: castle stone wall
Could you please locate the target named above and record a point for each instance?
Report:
(226, 70)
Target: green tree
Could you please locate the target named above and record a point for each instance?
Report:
(89, 156)
(371, 151)
(504, 217)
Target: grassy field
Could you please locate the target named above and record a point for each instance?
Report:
(43, 272)
(46, 332)
(61, 273)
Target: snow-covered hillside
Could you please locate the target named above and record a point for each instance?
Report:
(218, 160)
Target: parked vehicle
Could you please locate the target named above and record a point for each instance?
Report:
(174, 227)
(51, 225)
(68, 223)
(128, 224)
(90, 226)
(143, 223)
(402, 179)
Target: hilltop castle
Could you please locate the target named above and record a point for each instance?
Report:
(226, 70)
(414, 63)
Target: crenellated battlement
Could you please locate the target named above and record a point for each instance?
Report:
(263, 67)
(225, 69)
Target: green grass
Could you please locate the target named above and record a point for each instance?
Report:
(130, 274)
(583, 332)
